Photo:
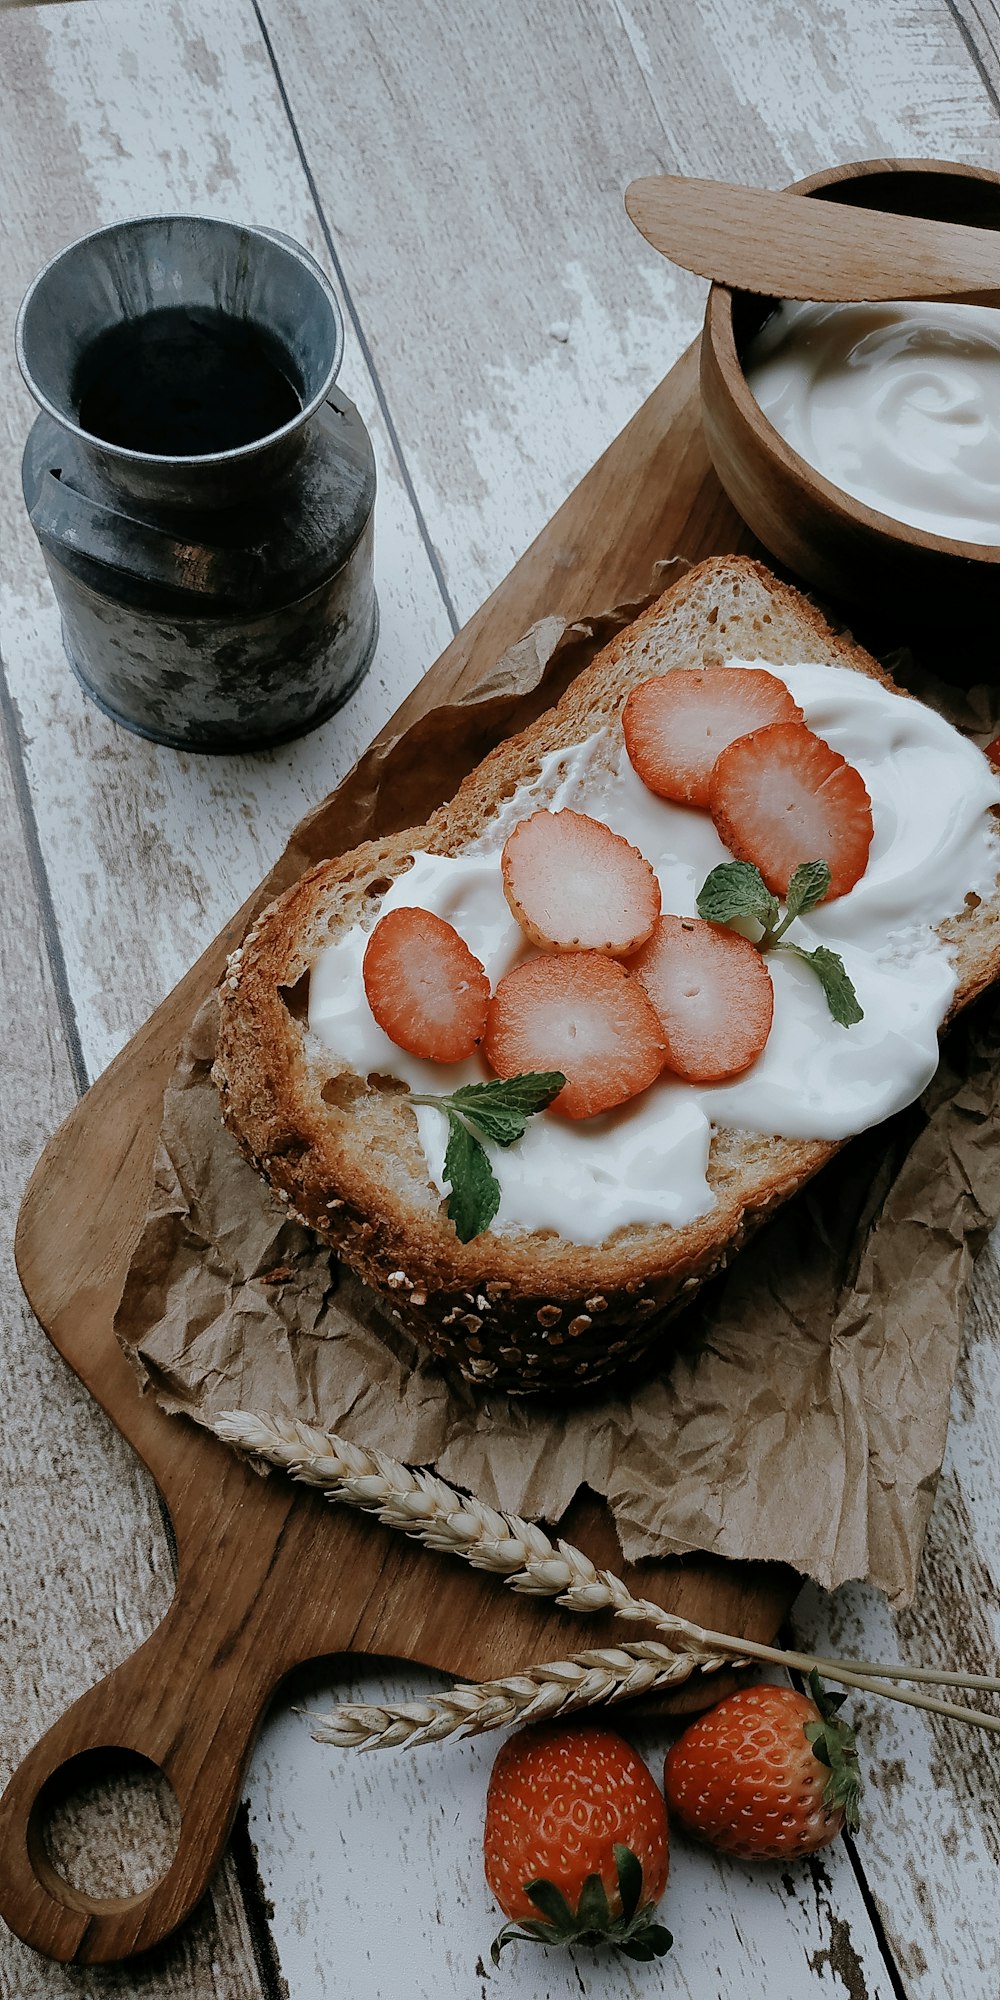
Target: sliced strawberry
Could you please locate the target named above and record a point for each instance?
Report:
(676, 724)
(782, 796)
(580, 1013)
(573, 885)
(426, 990)
(992, 751)
(712, 993)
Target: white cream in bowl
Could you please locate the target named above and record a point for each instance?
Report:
(897, 404)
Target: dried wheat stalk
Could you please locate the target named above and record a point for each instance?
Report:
(558, 1688)
(424, 1506)
(432, 1512)
(605, 1674)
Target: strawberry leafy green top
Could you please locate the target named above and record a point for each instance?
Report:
(736, 889)
(833, 1743)
(634, 1932)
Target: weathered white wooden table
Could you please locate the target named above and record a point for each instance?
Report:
(458, 168)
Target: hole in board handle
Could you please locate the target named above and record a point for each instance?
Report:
(104, 1829)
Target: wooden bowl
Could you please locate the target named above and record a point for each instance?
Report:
(846, 549)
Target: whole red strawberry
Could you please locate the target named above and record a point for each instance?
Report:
(575, 1845)
(767, 1773)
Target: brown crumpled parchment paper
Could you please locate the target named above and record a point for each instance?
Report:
(801, 1412)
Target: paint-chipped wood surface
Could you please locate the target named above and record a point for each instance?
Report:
(458, 169)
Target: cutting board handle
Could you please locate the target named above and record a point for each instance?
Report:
(188, 1701)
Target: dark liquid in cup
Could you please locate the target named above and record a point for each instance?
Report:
(183, 383)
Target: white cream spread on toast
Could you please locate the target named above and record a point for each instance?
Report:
(934, 844)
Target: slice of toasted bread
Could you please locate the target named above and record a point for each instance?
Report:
(530, 1311)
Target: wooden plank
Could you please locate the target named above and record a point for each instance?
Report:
(928, 1850)
(396, 1847)
(86, 1547)
(86, 1569)
(109, 109)
(978, 22)
(512, 354)
(780, 92)
(931, 1836)
(475, 191)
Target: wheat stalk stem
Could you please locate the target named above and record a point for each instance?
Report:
(871, 1674)
(425, 1507)
(956, 1711)
(927, 1676)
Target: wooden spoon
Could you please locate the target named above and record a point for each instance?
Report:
(790, 248)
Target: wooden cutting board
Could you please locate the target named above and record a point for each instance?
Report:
(268, 1575)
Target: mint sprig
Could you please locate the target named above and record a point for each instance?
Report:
(501, 1108)
(499, 1111)
(736, 890)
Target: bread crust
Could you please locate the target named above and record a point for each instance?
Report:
(536, 1311)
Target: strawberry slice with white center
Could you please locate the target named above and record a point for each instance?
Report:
(573, 885)
(782, 796)
(713, 996)
(677, 723)
(426, 990)
(580, 1013)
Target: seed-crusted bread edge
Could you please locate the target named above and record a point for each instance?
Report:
(342, 1151)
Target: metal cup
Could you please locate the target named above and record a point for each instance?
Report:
(212, 598)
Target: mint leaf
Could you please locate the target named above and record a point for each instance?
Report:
(500, 1110)
(807, 887)
(475, 1190)
(835, 981)
(736, 889)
